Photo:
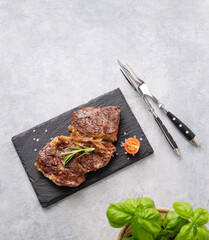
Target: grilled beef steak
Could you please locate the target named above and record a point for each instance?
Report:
(90, 127)
(97, 123)
(50, 161)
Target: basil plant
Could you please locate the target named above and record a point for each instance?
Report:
(146, 222)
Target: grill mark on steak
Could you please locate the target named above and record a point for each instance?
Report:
(50, 161)
(97, 123)
(90, 127)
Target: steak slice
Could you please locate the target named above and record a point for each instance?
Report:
(50, 161)
(96, 123)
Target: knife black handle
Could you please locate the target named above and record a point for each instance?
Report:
(166, 133)
(181, 126)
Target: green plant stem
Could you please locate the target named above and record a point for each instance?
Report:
(71, 154)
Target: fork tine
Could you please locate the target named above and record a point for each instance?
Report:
(125, 70)
(127, 78)
(131, 71)
(124, 67)
(128, 71)
(121, 65)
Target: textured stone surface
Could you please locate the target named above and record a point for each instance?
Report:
(29, 143)
(56, 55)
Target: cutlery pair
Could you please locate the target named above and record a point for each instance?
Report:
(143, 90)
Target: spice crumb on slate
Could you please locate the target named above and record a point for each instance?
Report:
(122, 144)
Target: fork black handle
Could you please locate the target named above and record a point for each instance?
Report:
(167, 134)
(183, 128)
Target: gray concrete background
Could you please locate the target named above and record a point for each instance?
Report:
(55, 55)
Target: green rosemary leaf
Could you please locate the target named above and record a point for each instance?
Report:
(72, 152)
(81, 155)
(67, 159)
(81, 145)
(73, 148)
(65, 153)
(90, 149)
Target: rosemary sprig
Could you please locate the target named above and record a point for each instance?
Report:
(71, 154)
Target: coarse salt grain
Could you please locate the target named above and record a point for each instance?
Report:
(51, 138)
(46, 130)
(34, 130)
(141, 139)
(35, 150)
(37, 139)
(125, 133)
(116, 154)
(128, 158)
(133, 154)
(134, 136)
(125, 152)
(34, 139)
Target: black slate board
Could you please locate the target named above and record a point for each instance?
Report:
(48, 192)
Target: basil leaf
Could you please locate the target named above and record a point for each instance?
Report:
(200, 216)
(115, 225)
(121, 213)
(183, 209)
(173, 223)
(132, 203)
(152, 220)
(202, 233)
(187, 232)
(149, 219)
(140, 233)
(145, 202)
